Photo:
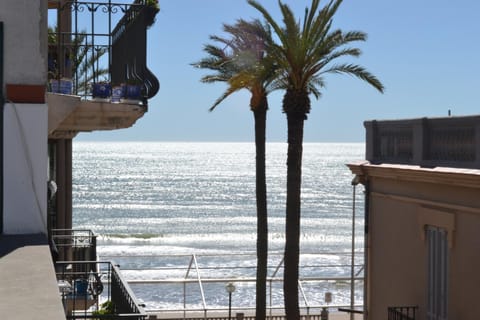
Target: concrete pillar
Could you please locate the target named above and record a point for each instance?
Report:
(419, 138)
(60, 180)
(370, 136)
(64, 185)
(68, 183)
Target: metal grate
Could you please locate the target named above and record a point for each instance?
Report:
(437, 289)
(402, 313)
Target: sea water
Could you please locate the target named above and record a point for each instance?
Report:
(159, 208)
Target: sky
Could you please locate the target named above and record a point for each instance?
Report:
(426, 53)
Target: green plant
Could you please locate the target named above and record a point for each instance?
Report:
(153, 4)
(82, 58)
(108, 307)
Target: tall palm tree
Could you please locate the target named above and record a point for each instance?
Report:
(240, 62)
(306, 51)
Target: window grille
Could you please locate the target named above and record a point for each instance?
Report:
(437, 289)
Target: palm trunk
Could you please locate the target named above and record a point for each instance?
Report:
(295, 118)
(260, 115)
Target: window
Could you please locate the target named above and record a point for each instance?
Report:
(437, 273)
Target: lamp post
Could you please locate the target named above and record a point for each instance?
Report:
(230, 287)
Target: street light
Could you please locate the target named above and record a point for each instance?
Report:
(230, 287)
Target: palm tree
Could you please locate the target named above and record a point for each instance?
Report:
(83, 57)
(305, 53)
(241, 63)
(86, 63)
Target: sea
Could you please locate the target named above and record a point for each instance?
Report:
(179, 219)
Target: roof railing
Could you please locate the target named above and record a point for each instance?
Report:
(428, 142)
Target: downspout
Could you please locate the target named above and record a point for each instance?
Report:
(355, 182)
(2, 105)
(366, 249)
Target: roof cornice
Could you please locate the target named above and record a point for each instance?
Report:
(439, 175)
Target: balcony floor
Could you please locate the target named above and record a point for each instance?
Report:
(69, 115)
(28, 284)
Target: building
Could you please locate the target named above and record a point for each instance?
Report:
(422, 207)
(46, 100)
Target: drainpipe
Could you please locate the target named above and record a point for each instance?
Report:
(2, 105)
(366, 248)
(355, 182)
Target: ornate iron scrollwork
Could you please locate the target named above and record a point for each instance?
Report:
(126, 60)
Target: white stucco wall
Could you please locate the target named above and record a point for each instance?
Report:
(25, 40)
(25, 168)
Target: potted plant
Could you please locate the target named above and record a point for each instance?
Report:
(151, 9)
(101, 90)
(106, 308)
(63, 85)
(118, 92)
(133, 89)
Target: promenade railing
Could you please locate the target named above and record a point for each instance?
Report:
(198, 290)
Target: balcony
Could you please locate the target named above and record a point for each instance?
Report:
(96, 289)
(427, 142)
(97, 65)
(90, 288)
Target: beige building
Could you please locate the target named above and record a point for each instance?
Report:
(422, 206)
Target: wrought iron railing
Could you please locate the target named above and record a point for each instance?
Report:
(84, 282)
(129, 58)
(451, 141)
(402, 313)
(101, 42)
(96, 289)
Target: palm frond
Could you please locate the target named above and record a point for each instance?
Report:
(224, 96)
(305, 52)
(240, 59)
(357, 71)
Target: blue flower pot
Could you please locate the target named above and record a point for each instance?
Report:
(81, 286)
(133, 91)
(63, 86)
(101, 90)
(118, 92)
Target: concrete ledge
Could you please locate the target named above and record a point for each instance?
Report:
(28, 287)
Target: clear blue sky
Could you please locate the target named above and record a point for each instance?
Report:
(425, 52)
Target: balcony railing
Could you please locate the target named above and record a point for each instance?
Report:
(101, 42)
(74, 245)
(86, 284)
(402, 313)
(452, 142)
(93, 289)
